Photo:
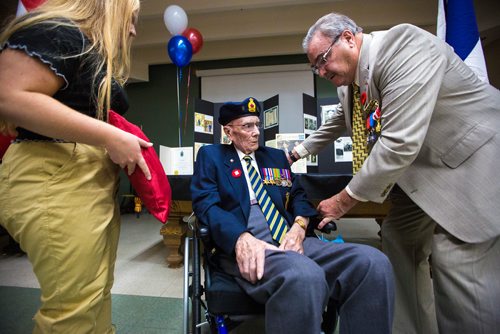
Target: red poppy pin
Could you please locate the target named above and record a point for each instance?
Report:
(236, 173)
(363, 98)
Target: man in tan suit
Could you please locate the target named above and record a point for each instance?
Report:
(433, 150)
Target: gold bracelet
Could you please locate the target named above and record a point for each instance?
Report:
(301, 223)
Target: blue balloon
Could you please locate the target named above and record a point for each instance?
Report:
(180, 50)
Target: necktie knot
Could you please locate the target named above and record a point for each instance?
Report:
(355, 88)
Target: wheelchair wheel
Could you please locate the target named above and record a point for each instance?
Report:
(193, 289)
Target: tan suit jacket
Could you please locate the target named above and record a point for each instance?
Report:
(440, 131)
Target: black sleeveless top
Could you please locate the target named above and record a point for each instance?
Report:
(62, 49)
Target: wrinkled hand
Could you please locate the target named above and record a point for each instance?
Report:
(250, 256)
(125, 150)
(293, 239)
(335, 207)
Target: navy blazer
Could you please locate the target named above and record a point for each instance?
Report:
(221, 200)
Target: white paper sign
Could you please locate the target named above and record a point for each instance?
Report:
(177, 160)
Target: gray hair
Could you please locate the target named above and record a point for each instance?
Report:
(331, 25)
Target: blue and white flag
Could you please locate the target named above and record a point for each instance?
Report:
(456, 24)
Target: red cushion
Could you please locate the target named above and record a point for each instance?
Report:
(155, 193)
(4, 144)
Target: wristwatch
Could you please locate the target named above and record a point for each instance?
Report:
(301, 223)
(292, 156)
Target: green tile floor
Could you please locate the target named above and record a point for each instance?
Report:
(131, 314)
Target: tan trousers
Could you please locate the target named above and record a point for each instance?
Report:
(464, 293)
(58, 201)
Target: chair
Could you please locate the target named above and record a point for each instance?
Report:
(225, 304)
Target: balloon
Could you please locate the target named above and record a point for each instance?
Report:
(180, 50)
(195, 38)
(175, 19)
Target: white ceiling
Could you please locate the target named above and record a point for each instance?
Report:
(252, 28)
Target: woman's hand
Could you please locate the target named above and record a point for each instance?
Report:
(125, 149)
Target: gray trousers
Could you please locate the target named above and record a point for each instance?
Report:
(464, 293)
(356, 279)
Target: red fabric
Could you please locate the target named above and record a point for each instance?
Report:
(155, 194)
(31, 4)
(4, 144)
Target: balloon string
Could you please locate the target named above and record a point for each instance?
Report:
(179, 75)
(187, 98)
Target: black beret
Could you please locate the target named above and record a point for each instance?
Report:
(232, 110)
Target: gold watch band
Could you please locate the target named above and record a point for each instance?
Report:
(301, 223)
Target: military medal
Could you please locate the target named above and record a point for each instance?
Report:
(277, 177)
(288, 178)
(264, 177)
(284, 180)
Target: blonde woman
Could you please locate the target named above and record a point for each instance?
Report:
(61, 68)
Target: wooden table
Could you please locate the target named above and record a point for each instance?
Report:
(317, 186)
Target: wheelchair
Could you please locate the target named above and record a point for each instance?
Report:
(223, 303)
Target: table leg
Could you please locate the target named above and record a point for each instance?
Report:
(173, 233)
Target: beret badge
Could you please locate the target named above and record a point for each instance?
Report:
(251, 105)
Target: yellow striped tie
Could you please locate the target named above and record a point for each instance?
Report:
(359, 149)
(277, 224)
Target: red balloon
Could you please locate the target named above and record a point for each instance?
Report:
(195, 38)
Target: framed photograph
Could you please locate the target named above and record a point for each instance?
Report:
(310, 123)
(271, 117)
(327, 112)
(312, 160)
(203, 123)
(286, 142)
(343, 149)
(224, 139)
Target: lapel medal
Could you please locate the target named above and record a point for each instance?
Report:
(277, 177)
(236, 173)
(266, 176)
(288, 178)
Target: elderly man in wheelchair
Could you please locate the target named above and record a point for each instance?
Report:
(260, 225)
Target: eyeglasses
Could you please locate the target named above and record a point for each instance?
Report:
(248, 127)
(323, 58)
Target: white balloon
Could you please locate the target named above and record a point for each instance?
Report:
(175, 19)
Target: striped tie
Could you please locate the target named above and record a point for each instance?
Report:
(359, 149)
(277, 224)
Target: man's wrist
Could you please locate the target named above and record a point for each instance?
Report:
(292, 156)
(301, 223)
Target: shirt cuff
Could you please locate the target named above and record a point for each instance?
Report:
(361, 199)
(301, 150)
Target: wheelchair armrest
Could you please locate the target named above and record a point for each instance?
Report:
(331, 226)
(203, 233)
